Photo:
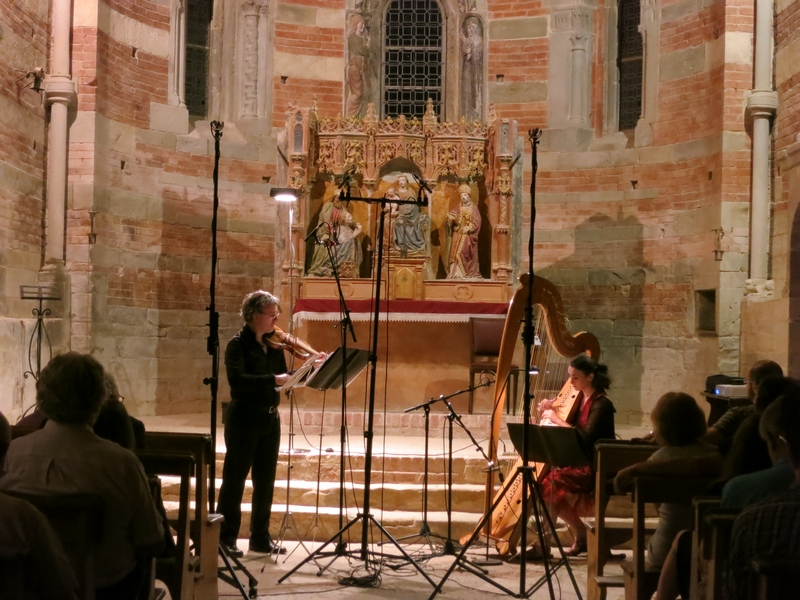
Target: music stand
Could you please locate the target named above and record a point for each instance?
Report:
(555, 446)
(330, 375)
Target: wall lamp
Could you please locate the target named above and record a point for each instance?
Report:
(283, 194)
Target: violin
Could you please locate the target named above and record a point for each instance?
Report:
(280, 340)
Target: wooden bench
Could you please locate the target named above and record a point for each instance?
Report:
(205, 526)
(640, 583)
(603, 534)
(77, 520)
(177, 572)
(711, 535)
(775, 577)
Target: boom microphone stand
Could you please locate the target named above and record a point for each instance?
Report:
(530, 487)
(365, 518)
(213, 382)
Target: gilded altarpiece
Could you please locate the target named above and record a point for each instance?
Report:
(377, 154)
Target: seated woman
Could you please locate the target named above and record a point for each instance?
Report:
(678, 425)
(569, 491)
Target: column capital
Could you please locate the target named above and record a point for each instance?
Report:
(61, 89)
(761, 103)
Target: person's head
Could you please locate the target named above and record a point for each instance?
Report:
(260, 310)
(770, 389)
(758, 372)
(789, 423)
(5, 440)
(587, 375)
(677, 420)
(770, 430)
(71, 389)
(465, 193)
(402, 181)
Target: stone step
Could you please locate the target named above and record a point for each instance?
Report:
(308, 524)
(466, 497)
(398, 469)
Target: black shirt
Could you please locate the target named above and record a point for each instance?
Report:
(251, 370)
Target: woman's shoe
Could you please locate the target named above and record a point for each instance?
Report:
(578, 547)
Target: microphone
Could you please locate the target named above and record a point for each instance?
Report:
(314, 231)
(346, 177)
(421, 183)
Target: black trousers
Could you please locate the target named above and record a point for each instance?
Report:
(252, 439)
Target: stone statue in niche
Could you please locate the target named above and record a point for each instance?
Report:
(472, 69)
(463, 226)
(359, 67)
(337, 228)
(410, 226)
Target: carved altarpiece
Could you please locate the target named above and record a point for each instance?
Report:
(319, 149)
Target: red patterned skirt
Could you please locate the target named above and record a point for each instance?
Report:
(573, 486)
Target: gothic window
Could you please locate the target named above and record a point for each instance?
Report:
(198, 26)
(630, 61)
(413, 58)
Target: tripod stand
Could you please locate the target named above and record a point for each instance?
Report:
(365, 518)
(525, 472)
(228, 574)
(448, 548)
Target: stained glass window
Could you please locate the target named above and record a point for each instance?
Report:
(412, 58)
(198, 25)
(630, 63)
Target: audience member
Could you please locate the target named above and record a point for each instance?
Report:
(771, 527)
(46, 573)
(66, 456)
(678, 426)
(722, 432)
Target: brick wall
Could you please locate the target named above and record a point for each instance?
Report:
(24, 34)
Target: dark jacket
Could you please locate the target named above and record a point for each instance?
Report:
(251, 371)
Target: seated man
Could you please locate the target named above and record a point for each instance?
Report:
(771, 527)
(721, 433)
(23, 529)
(66, 456)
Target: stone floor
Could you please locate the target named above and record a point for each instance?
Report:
(405, 582)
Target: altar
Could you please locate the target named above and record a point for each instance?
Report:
(434, 200)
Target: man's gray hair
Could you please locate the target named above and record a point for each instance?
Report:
(71, 389)
(256, 302)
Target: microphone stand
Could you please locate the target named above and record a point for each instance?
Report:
(365, 517)
(449, 547)
(531, 489)
(212, 345)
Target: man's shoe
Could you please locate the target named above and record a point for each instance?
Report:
(266, 547)
(231, 550)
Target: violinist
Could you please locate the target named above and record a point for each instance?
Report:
(256, 366)
(569, 491)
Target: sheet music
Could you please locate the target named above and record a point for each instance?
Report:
(300, 375)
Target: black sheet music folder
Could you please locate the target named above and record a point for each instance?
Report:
(555, 446)
(329, 375)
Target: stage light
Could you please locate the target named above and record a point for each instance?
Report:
(283, 194)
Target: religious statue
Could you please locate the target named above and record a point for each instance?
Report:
(463, 225)
(359, 67)
(472, 69)
(338, 230)
(410, 225)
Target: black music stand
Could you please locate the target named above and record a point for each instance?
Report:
(555, 446)
(330, 375)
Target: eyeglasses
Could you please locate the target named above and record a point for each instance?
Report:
(274, 315)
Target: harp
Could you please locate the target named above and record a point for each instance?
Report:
(553, 348)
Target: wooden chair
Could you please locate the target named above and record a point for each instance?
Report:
(654, 490)
(711, 535)
(77, 520)
(775, 577)
(205, 527)
(177, 572)
(602, 534)
(485, 335)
